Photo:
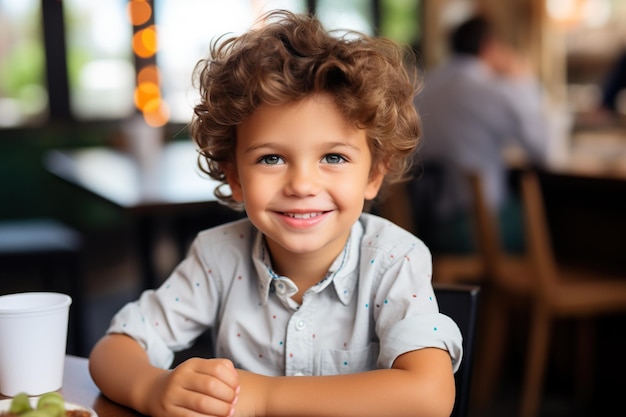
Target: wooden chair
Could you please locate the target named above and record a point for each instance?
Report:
(553, 291)
(460, 303)
(508, 281)
(412, 206)
(458, 269)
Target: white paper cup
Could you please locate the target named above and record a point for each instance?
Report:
(33, 341)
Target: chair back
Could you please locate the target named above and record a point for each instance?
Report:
(460, 303)
(538, 243)
(486, 229)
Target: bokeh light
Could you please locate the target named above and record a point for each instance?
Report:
(156, 113)
(148, 74)
(146, 92)
(592, 13)
(139, 12)
(145, 42)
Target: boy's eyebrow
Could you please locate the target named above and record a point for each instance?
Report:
(344, 144)
(254, 147)
(330, 145)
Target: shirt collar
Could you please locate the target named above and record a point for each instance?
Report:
(343, 273)
(262, 264)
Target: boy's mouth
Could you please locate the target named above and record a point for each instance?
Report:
(303, 215)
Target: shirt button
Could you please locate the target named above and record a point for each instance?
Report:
(300, 325)
(280, 288)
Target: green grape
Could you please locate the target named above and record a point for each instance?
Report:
(51, 404)
(20, 404)
(53, 398)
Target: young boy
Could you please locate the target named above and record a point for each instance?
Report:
(315, 308)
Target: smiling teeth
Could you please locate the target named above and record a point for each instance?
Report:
(303, 215)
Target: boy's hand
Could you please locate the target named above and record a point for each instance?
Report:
(207, 387)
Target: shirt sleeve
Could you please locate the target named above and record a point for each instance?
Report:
(171, 317)
(422, 331)
(410, 317)
(131, 321)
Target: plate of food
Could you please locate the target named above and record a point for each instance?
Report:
(51, 404)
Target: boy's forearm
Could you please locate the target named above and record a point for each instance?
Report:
(122, 371)
(420, 384)
(397, 392)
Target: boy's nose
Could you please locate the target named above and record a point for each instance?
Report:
(302, 181)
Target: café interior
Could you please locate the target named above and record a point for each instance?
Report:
(100, 193)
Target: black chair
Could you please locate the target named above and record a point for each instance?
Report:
(50, 251)
(460, 303)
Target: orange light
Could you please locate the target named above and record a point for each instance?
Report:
(149, 37)
(145, 42)
(139, 12)
(156, 113)
(145, 93)
(148, 74)
(138, 47)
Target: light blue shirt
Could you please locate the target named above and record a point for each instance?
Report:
(376, 303)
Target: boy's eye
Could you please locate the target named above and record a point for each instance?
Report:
(270, 160)
(333, 158)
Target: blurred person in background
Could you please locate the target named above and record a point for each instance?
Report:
(483, 99)
(610, 108)
(614, 85)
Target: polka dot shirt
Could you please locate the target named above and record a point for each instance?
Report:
(375, 303)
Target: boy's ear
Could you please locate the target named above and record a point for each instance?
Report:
(232, 178)
(375, 181)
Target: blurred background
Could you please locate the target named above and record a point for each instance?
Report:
(115, 75)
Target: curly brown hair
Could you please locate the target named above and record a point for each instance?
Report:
(289, 57)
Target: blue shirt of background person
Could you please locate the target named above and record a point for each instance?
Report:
(478, 103)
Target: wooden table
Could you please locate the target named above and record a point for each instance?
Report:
(170, 183)
(594, 154)
(79, 388)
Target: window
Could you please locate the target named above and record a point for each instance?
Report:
(23, 95)
(99, 59)
(185, 29)
(89, 51)
(401, 21)
(350, 14)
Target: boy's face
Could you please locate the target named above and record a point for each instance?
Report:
(303, 173)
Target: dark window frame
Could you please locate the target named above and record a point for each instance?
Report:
(56, 71)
